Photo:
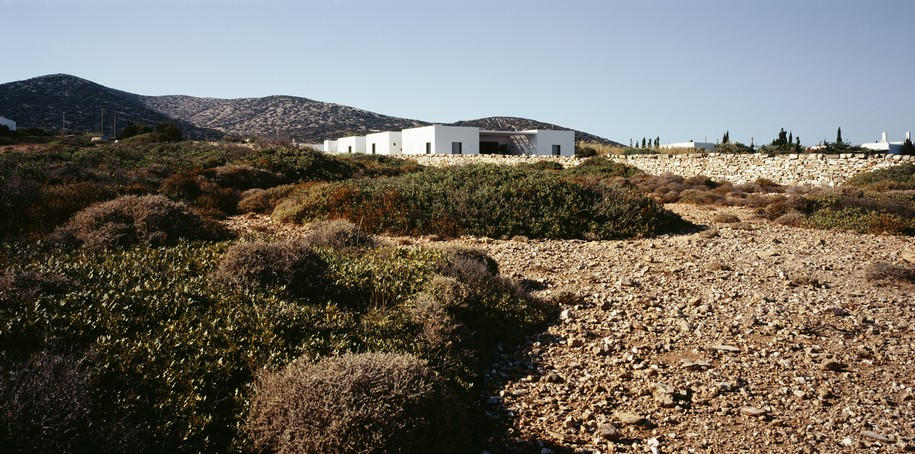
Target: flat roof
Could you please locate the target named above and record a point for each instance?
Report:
(494, 132)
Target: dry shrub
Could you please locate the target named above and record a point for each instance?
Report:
(338, 234)
(726, 218)
(290, 264)
(47, 405)
(462, 260)
(791, 219)
(22, 287)
(700, 197)
(151, 220)
(890, 272)
(264, 200)
(370, 402)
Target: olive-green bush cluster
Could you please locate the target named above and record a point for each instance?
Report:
(45, 184)
(899, 177)
(484, 200)
(170, 348)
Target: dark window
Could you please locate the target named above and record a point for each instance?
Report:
(556, 150)
(428, 147)
(373, 148)
(349, 149)
(456, 147)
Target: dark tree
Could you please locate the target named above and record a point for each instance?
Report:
(657, 142)
(643, 142)
(839, 136)
(907, 147)
(726, 138)
(790, 138)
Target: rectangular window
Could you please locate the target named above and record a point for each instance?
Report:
(556, 150)
(456, 147)
(373, 148)
(349, 149)
(428, 147)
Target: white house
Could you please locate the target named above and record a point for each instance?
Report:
(690, 144)
(439, 139)
(330, 146)
(351, 144)
(530, 142)
(887, 147)
(10, 124)
(388, 142)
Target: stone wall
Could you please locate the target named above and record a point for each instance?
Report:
(791, 169)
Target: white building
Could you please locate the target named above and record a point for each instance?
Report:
(388, 142)
(690, 144)
(439, 139)
(542, 142)
(351, 144)
(887, 147)
(10, 124)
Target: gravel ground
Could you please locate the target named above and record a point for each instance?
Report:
(745, 337)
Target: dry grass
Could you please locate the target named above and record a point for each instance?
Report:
(338, 234)
(890, 273)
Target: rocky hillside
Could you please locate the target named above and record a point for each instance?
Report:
(42, 101)
(47, 101)
(286, 116)
(520, 124)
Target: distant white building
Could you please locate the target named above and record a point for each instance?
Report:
(690, 144)
(442, 139)
(887, 147)
(351, 144)
(439, 139)
(388, 142)
(10, 124)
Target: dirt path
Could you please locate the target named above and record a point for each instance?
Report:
(754, 338)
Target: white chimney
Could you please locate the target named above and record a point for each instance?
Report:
(908, 136)
(883, 137)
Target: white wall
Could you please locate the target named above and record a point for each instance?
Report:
(8, 123)
(351, 144)
(388, 142)
(545, 139)
(440, 139)
(330, 146)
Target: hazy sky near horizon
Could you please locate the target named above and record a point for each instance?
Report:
(675, 69)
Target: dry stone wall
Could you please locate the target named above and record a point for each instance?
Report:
(791, 169)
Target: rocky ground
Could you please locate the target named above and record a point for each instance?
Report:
(745, 337)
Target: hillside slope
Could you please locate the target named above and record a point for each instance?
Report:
(49, 101)
(520, 124)
(286, 116)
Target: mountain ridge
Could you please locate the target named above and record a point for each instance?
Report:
(42, 101)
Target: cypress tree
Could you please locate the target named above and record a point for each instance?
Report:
(790, 139)
(643, 142)
(657, 142)
(839, 136)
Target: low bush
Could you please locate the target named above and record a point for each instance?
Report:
(338, 234)
(482, 200)
(898, 177)
(151, 220)
(600, 167)
(370, 402)
(264, 201)
(726, 218)
(290, 265)
(889, 272)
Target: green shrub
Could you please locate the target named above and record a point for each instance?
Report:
(898, 177)
(482, 200)
(600, 166)
(264, 201)
(370, 402)
(151, 220)
(290, 265)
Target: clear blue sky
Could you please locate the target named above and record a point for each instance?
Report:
(678, 69)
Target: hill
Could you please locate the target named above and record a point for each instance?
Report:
(43, 101)
(520, 124)
(49, 101)
(286, 116)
